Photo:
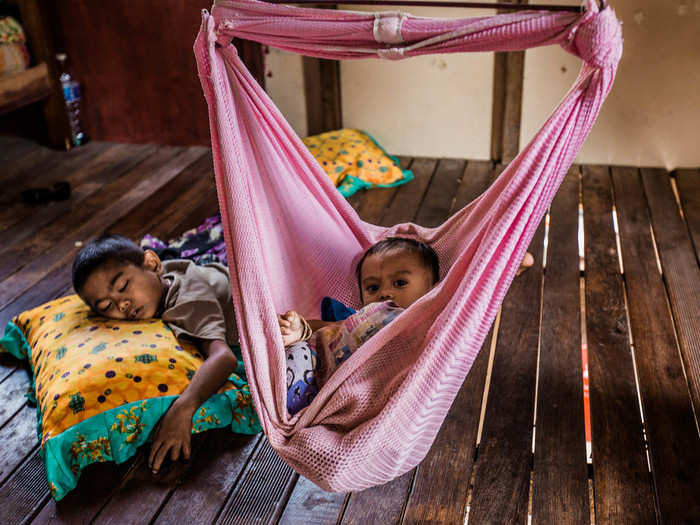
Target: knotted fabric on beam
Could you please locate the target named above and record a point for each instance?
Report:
(292, 239)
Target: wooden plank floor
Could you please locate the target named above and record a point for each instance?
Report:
(512, 446)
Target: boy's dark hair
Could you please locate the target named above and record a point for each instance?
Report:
(100, 251)
(427, 255)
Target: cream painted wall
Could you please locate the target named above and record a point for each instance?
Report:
(441, 105)
(284, 82)
(437, 105)
(652, 115)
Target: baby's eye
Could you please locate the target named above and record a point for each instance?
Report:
(372, 288)
(400, 283)
(124, 287)
(106, 307)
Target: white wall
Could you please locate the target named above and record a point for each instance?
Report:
(652, 115)
(441, 105)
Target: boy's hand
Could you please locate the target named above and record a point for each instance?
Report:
(291, 327)
(173, 435)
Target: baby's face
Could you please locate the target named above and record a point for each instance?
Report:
(394, 276)
(125, 291)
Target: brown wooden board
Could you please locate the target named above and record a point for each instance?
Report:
(141, 493)
(160, 174)
(310, 505)
(214, 472)
(8, 365)
(502, 473)
(688, 182)
(409, 196)
(24, 493)
(379, 505)
(18, 438)
(175, 201)
(14, 148)
(12, 392)
(51, 287)
(17, 154)
(44, 225)
(86, 176)
(621, 480)
(43, 167)
(670, 425)
(262, 492)
(560, 483)
(681, 272)
(441, 481)
(373, 205)
(437, 203)
(477, 177)
(97, 483)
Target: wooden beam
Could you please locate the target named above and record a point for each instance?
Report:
(507, 103)
(41, 40)
(322, 93)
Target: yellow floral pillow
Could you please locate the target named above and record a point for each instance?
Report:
(102, 385)
(354, 160)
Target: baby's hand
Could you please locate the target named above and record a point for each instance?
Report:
(291, 326)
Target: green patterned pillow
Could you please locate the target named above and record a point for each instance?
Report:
(102, 385)
(354, 160)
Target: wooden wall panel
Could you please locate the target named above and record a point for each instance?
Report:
(137, 68)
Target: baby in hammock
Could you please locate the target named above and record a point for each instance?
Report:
(392, 274)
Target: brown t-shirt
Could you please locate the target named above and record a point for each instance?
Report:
(198, 303)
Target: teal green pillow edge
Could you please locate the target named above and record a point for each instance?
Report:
(94, 440)
(116, 435)
(352, 184)
(13, 342)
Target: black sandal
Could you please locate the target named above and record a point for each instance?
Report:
(60, 192)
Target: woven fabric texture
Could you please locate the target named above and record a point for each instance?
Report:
(292, 239)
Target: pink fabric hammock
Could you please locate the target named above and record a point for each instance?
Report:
(292, 239)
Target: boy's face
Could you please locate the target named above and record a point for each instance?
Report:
(125, 291)
(399, 276)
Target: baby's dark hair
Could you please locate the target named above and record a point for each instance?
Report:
(403, 244)
(99, 251)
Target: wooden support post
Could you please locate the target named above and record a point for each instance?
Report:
(41, 41)
(507, 103)
(322, 92)
(251, 54)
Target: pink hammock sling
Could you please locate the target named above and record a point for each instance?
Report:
(291, 238)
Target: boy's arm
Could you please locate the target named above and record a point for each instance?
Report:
(175, 429)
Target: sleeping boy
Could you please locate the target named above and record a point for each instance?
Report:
(392, 275)
(119, 280)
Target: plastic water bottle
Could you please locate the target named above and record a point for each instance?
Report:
(71, 94)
